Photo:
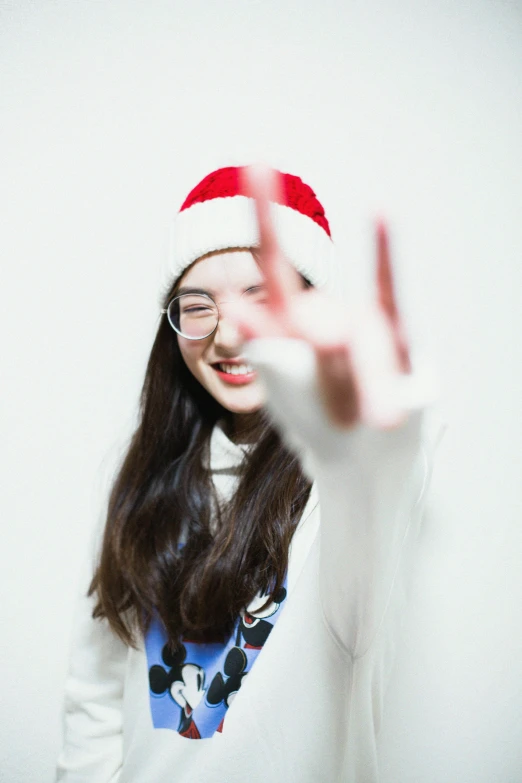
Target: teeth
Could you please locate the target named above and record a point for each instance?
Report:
(236, 369)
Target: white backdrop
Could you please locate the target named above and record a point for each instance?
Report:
(111, 110)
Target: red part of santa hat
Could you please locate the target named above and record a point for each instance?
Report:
(217, 214)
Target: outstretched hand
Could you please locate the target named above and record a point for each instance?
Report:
(363, 356)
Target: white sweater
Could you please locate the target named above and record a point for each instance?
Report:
(300, 687)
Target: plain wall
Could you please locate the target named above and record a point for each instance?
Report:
(110, 113)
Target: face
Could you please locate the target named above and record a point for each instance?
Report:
(215, 360)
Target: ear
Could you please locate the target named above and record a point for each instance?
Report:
(235, 662)
(159, 679)
(217, 690)
(280, 596)
(174, 660)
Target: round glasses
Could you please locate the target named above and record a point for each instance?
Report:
(196, 316)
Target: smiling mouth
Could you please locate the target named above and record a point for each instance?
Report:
(234, 369)
(234, 373)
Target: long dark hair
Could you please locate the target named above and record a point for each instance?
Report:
(163, 491)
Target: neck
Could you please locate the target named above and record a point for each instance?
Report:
(243, 427)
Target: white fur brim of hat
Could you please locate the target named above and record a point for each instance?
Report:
(229, 222)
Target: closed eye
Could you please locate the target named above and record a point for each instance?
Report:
(257, 293)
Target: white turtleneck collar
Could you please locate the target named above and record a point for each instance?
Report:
(225, 455)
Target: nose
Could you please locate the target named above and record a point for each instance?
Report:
(227, 338)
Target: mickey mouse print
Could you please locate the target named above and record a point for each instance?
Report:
(192, 689)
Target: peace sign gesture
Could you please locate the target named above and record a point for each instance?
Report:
(362, 357)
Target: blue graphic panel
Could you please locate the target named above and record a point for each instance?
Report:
(191, 691)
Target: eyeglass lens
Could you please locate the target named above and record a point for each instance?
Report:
(193, 315)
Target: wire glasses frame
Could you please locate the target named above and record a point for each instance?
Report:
(195, 316)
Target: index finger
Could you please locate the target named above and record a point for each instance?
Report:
(264, 186)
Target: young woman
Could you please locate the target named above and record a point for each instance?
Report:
(241, 615)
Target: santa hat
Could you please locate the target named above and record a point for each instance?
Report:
(217, 215)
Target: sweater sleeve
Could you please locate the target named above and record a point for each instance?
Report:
(92, 749)
(372, 486)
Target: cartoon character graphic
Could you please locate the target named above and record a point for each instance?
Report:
(179, 697)
(234, 670)
(254, 629)
(253, 626)
(186, 684)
